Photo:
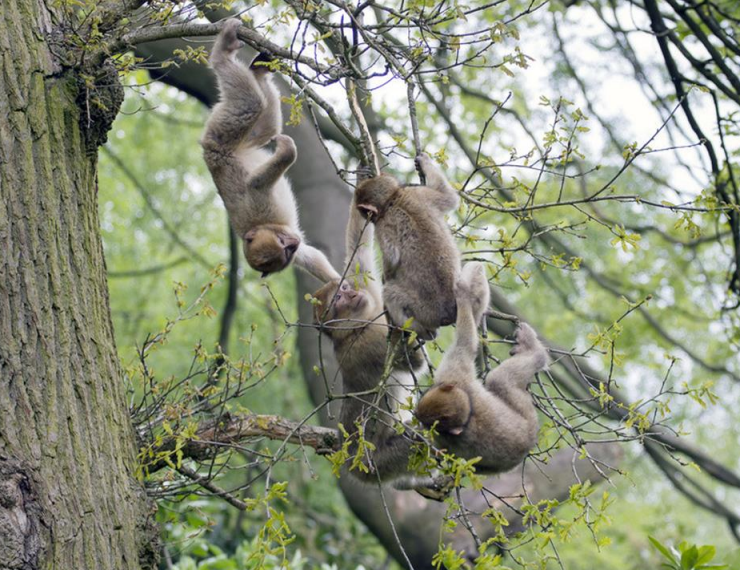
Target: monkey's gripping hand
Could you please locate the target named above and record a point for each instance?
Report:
(227, 42)
(443, 195)
(424, 164)
(527, 344)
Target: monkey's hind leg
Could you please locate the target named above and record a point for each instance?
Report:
(266, 175)
(242, 99)
(529, 356)
(270, 121)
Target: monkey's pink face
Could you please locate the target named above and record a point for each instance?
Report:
(337, 302)
(348, 300)
(269, 250)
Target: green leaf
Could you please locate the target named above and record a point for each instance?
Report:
(706, 553)
(663, 550)
(689, 557)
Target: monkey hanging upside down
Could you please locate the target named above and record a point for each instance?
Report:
(495, 420)
(249, 178)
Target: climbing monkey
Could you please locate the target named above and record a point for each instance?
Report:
(420, 260)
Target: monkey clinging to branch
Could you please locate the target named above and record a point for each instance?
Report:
(495, 421)
(420, 260)
(351, 314)
(249, 178)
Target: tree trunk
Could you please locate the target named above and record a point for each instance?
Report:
(68, 495)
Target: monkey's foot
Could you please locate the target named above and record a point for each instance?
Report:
(285, 145)
(438, 489)
(228, 41)
(472, 287)
(526, 339)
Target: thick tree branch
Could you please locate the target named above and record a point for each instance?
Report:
(216, 435)
(249, 36)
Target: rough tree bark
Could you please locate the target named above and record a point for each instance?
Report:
(68, 496)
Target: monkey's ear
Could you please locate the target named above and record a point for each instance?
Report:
(446, 387)
(367, 210)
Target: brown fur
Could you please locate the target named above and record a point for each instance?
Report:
(496, 421)
(249, 178)
(420, 260)
(351, 314)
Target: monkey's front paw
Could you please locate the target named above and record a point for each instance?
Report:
(285, 145)
(364, 173)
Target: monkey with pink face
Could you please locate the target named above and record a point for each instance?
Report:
(350, 312)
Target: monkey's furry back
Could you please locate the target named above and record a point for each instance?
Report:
(419, 249)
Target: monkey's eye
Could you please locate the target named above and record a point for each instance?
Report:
(345, 286)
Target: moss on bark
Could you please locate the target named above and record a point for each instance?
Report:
(66, 443)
